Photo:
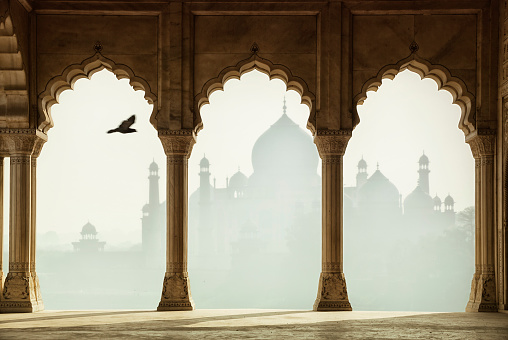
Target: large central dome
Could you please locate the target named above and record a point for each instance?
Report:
(284, 150)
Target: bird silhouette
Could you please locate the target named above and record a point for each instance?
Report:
(125, 126)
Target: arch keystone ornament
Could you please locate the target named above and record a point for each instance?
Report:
(176, 293)
(332, 290)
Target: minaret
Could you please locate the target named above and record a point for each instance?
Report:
(423, 171)
(153, 178)
(361, 176)
(204, 180)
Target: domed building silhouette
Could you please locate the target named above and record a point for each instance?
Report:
(88, 241)
(375, 200)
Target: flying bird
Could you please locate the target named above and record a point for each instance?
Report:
(125, 127)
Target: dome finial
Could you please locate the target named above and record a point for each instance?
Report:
(378, 165)
(284, 107)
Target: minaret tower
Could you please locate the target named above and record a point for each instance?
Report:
(423, 171)
(153, 178)
(361, 176)
(204, 180)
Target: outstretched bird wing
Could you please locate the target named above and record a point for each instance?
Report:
(127, 123)
(124, 127)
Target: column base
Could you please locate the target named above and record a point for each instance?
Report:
(483, 294)
(19, 294)
(176, 294)
(332, 293)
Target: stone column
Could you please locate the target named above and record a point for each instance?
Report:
(483, 285)
(176, 293)
(33, 220)
(20, 291)
(1, 226)
(332, 291)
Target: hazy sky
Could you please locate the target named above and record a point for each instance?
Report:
(86, 175)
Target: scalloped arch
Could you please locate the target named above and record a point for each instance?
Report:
(440, 74)
(86, 69)
(273, 71)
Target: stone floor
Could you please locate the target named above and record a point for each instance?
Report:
(253, 324)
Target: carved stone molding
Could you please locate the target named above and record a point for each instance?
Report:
(483, 145)
(332, 267)
(21, 141)
(177, 142)
(484, 297)
(16, 287)
(331, 143)
(176, 267)
(176, 293)
(19, 266)
(332, 293)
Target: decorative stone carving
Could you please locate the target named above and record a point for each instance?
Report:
(332, 293)
(483, 145)
(331, 142)
(177, 142)
(176, 293)
(484, 296)
(21, 141)
(16, 287)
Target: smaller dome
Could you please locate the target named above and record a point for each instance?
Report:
(424, 159)
(238, 180)
(88, 229)
(146, 208)
(437, 200)
(449, 200)
(153, 166)
(418, 200)
(362, 164)
(204, 162)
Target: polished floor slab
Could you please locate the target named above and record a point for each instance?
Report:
(252, 324)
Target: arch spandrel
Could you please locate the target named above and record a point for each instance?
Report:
(273, 71)
(440, 74)
(74, 72)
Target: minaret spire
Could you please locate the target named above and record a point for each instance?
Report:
(284, 107)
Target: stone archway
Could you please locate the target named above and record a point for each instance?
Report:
(482, 144)
(178, 146)
(85, 69)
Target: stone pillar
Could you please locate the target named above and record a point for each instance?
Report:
(176, 293)
(33, 220)
(483, 285)
(20, 290)
(332, 291)
(1, 226)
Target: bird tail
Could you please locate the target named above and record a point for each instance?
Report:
(111, 131)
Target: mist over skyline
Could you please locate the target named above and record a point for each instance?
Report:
(86, 175)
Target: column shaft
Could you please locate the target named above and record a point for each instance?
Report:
(19, 292)
(483, 286)
(33, 233)
(176, 293)
(332, 290)
(1, 226)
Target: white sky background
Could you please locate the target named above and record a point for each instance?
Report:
(85, 174)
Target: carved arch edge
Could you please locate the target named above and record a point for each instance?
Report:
(440, 74)
(85, 69)
(273, 71)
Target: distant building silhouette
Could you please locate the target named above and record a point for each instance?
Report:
(153, 219)
(375, 200)
(88, 241)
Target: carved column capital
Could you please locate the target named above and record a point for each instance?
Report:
(21, 141)
(331, 142)
(177, 142)
(483, 144)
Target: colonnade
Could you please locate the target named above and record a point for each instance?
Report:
(20, 286)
